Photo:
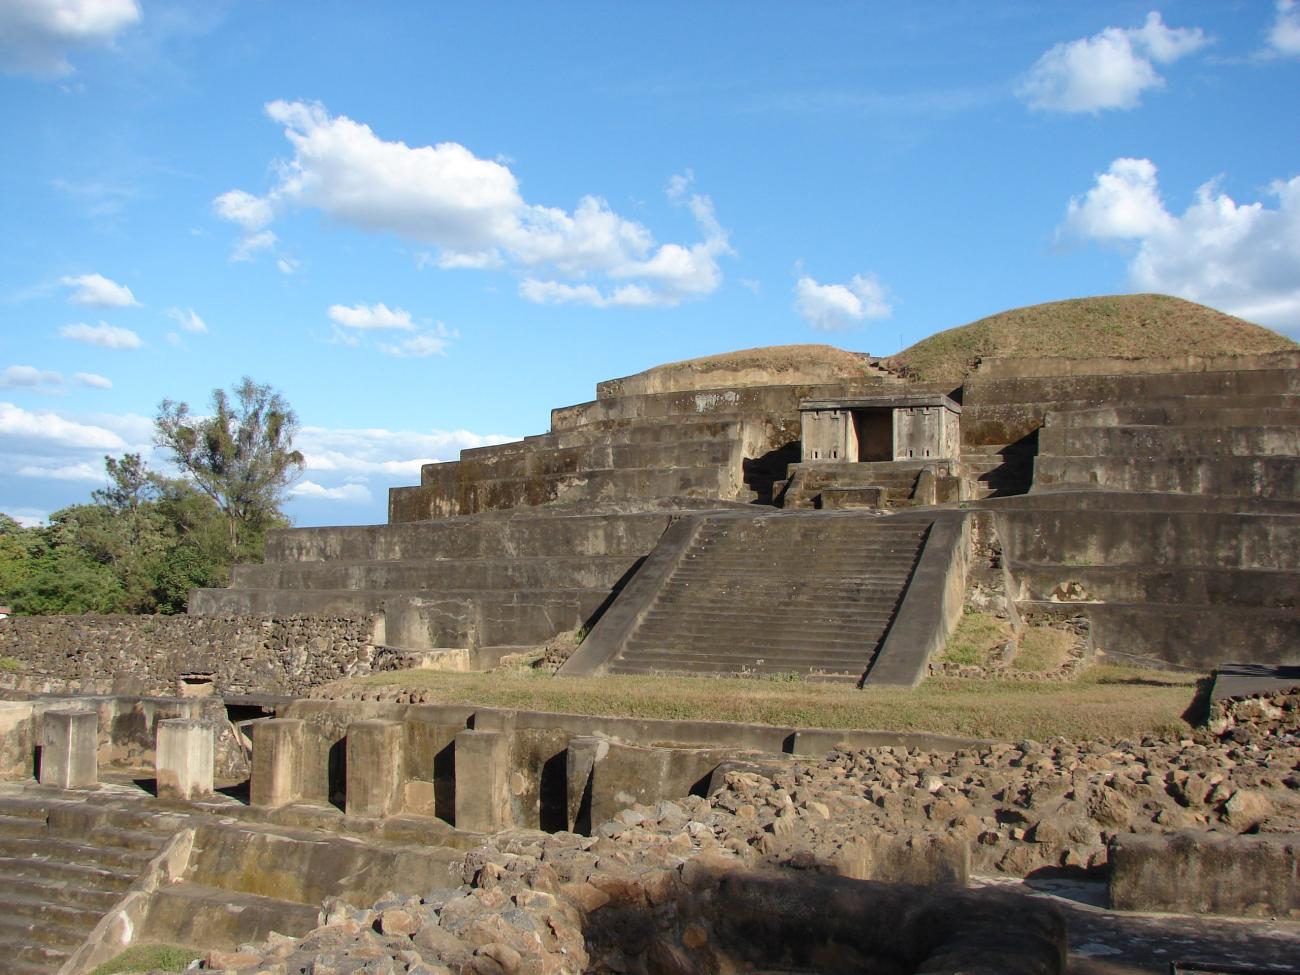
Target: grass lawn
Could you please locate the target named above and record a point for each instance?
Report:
(1103, 701)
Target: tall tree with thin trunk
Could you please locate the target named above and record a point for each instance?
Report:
(241, 455)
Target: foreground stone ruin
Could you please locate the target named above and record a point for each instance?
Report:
(201, 781)
(522, 844)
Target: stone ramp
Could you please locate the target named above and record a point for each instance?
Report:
(809, 594)
(64, 865)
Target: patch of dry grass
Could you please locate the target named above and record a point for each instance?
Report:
(1042, 649)
(1103, 701)
(975, 638)
(1123, 326)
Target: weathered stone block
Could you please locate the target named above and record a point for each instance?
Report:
(184, 758)
(482, 772)
(277, 762)
(16, 744)
(375, 768)
(1206, 873)
(69, 749)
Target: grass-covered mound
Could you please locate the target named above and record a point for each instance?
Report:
(1119, 326)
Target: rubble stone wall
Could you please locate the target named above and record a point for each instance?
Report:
(150, 654)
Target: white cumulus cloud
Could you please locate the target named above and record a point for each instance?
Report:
(343, 492)
(103, 335)
(29, 377)
(389, 453)
(92, 379)
(376, 316)
(1109, 70)
(188, 319)
(1240, 258)
(835, 306)
(99, 292)
(472, 211)
(80, 471)
(419, 346)
(36, 35)
(18, 424)
(251, 244)
(1284, 36)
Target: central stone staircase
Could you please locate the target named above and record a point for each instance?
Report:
(63, 865)
(808, 594)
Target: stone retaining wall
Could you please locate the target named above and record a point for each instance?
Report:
(151, 654)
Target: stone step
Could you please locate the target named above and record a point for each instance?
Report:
(727, 403)
(1146, 441)
(1200, 411)
(17, 966)
(495, 535)
(1184, 538)
(21, 826)
(646, 430)
(28, 951)
(57, 940)
(35, 905)
(1258, 477)
(540, 459)
(1264, 588)
(531, 572)
(1132, 388)
(75, 890)
(670, 664)
(453, 496)
(1191, 637)
(66, 850)
(785, 656)
(723, 613)
(191, 913)
(721, 640)
(785, 646)
(675, 598)
(424, 620)
(94, 879)
(1098, 499)
(856, 569)
(1001, 424)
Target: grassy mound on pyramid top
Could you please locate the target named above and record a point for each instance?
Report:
(1114, 326)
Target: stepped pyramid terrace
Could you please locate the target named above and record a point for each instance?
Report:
(816, 512)
(270, 781)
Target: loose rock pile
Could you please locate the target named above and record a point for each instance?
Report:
(656, 888)
(656, 891)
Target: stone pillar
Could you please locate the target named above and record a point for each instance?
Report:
(16, 742)
(70, 749)
(376, 767)
(482, 768)
(580, 760)
(184, 757)
(277, 762)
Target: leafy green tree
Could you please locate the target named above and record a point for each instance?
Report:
(241, 455)
(64, 580)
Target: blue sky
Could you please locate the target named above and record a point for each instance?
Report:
(429, 224)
